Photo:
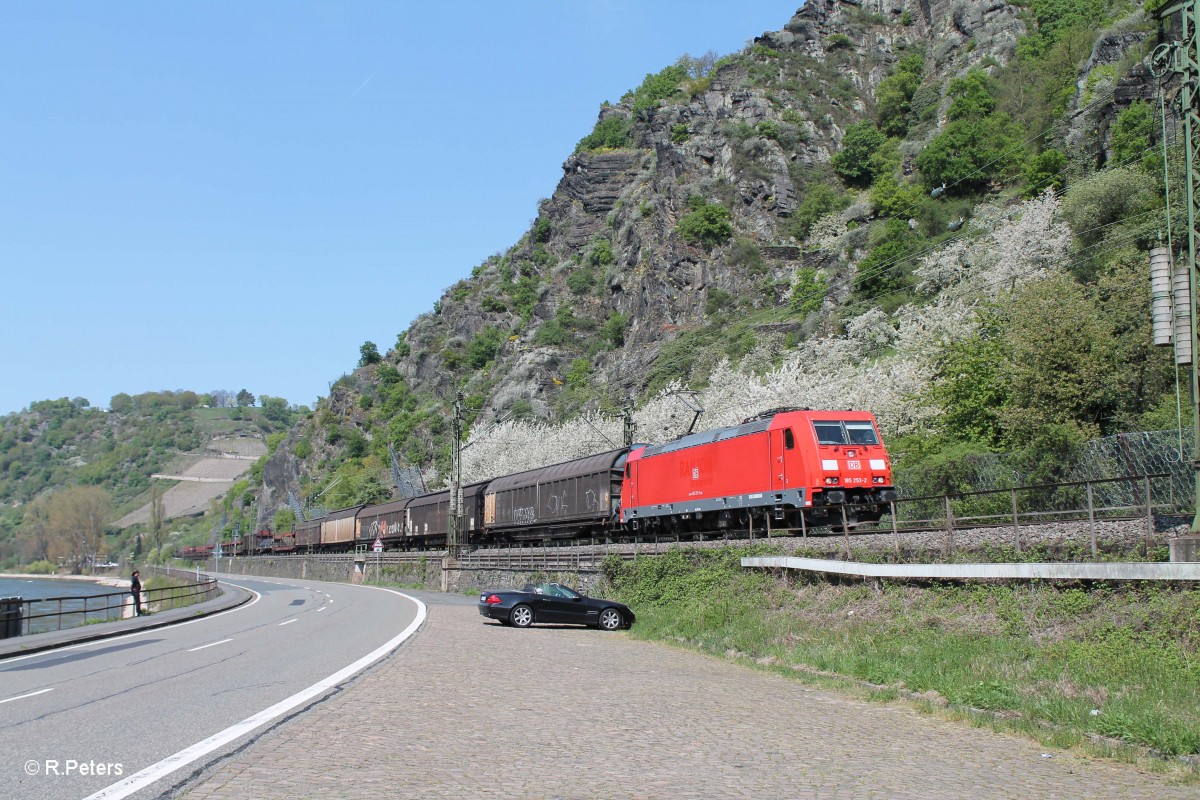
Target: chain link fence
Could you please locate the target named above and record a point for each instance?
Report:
(1158, 453)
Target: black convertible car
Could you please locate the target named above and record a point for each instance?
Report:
(553, 602)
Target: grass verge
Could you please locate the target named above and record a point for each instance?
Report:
(1071, 665)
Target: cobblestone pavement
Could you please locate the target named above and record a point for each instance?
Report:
(469, 709)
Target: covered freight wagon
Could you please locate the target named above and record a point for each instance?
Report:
(428, 516)
(338, 527)
(575, 498)
(308, 534)
(384, 522)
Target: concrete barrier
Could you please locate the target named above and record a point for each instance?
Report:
(1184, 549)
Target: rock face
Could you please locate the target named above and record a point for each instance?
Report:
(592, 305)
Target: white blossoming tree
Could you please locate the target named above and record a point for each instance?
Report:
(882, 364)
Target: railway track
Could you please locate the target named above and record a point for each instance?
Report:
(1074, 537)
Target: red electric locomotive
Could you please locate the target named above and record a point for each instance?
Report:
(786, 468)
(798, 468)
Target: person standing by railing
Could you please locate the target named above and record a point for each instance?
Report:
(135, 588)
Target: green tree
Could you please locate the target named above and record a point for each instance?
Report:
(972, 96)
(808, 290)
(971, 153)
(1055, 17)
(613, 330)
(602, 253)
(284, 520)
(275, 409)
(971, 389)
(75, 520)
(158, 519)
(979, 145)
(819, 199)
(656, 87)
(1062, 379)
(707, 226)
(1111, 203)
(368, 354)
(853, 161)
(1133, 134)
(890, 198)
(244, 398)
(484, 347)
(886, 268)
(372, 490)
(893, 98)
(1045, 171)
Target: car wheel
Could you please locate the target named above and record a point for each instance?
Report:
(521, 616)
(610, 619)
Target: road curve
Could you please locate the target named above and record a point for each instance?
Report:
(129, 715)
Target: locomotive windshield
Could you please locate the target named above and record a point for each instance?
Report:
(845, 432)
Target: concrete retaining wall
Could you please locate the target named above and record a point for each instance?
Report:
(443, 575)
(464, 580)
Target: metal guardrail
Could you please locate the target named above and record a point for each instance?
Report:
(20, 616)
(1105, 571)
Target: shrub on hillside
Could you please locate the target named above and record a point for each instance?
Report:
(707, 226)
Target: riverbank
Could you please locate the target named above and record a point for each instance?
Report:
(101, 580)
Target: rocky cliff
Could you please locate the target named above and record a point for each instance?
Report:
(623, 285)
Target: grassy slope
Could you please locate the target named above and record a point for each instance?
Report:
(1064, 664)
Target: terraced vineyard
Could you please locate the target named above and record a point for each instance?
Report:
(208, 477)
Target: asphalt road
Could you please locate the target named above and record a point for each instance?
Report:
(81, 720)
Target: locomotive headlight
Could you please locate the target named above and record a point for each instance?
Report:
(878, 479)
(830, 481)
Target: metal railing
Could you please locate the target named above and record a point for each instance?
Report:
(39, 615)
(1131, 497)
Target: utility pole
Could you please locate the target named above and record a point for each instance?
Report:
(1182, 58)
(630, 426)
(453, 545)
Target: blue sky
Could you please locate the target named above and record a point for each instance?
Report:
(229, 195)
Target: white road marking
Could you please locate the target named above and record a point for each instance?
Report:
(322, 608)
(23, 696)
(289, 622)
(154, 772)
(210, 644)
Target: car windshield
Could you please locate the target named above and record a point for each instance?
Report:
(555, 590)
(845, 432)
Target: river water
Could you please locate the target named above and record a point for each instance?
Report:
(73, 610)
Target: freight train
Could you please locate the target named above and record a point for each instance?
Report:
(786, 468)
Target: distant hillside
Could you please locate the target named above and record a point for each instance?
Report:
(203, 479)
(58, 444)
